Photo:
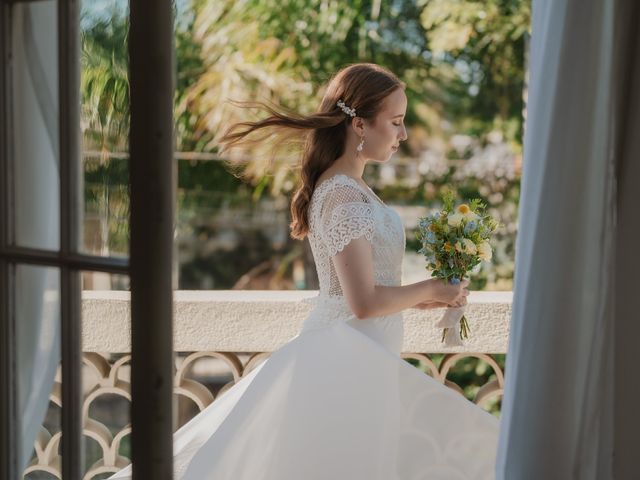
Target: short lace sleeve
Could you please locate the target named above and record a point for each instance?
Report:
(347, 214)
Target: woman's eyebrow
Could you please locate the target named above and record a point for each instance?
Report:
(399, 115)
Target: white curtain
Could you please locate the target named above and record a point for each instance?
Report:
(557, 413)
(35, 156)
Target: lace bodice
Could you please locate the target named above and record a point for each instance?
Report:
(342, 210)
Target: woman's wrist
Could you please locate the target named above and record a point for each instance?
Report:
(431, 290)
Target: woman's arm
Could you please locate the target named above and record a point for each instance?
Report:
(354, 267)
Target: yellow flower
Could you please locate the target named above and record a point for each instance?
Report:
(448, 247)
(484, 251)
(455, 220)
(466, 212)
(464, 209)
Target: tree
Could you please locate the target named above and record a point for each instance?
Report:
(462, 61)
(105, 83)
(479, 46)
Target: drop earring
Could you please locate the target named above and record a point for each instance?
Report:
(360, 145)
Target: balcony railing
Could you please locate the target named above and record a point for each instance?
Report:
(221, 336)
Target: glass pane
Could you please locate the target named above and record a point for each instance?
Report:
(104, 281)
(106, 373)
(35, 126)
(37, 301)
(106, 205)
(105, 125)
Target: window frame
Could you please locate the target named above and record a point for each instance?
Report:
(151, 242)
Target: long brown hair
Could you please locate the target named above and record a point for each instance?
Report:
(363, 87)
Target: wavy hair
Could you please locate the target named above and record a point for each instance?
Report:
(362, 86)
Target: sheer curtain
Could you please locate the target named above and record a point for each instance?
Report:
(35, 162)
(557, 414)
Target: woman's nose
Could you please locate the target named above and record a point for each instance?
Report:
(404, 136)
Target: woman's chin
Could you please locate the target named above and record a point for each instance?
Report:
(382, 159)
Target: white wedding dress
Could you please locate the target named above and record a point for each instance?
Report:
(337, 401)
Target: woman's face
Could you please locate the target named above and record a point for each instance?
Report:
(382, 135)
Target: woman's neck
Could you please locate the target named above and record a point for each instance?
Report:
(350, 165)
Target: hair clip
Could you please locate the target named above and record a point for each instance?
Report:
(349, 111)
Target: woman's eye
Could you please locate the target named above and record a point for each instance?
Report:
(396, 124)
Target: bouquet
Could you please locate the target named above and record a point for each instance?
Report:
(454, 242)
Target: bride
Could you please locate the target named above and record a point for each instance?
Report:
(337, 401)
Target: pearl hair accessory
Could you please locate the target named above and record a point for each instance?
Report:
(349, 111)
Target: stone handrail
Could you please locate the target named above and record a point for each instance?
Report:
(262, 321)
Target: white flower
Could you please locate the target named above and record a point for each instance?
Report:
(455, 219)
(484, 251)
(466, 246)
(471, 217)
(469, 246)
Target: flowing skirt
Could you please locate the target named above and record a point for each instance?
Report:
(337, 402)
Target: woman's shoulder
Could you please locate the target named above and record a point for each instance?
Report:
(339, 187)
(338, 196)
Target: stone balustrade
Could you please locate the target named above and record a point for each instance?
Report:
(222, 335)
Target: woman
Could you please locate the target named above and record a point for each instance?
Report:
(337, 401)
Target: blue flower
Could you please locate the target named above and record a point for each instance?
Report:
(455, 281)
(470, 227)
(431, 238)
(429, 219)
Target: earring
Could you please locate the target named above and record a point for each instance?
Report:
(360, 145)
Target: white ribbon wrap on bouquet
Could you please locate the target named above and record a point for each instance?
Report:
(451, 320)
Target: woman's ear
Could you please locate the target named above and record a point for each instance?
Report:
(357, 123)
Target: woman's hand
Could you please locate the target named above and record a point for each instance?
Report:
(452, 295)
